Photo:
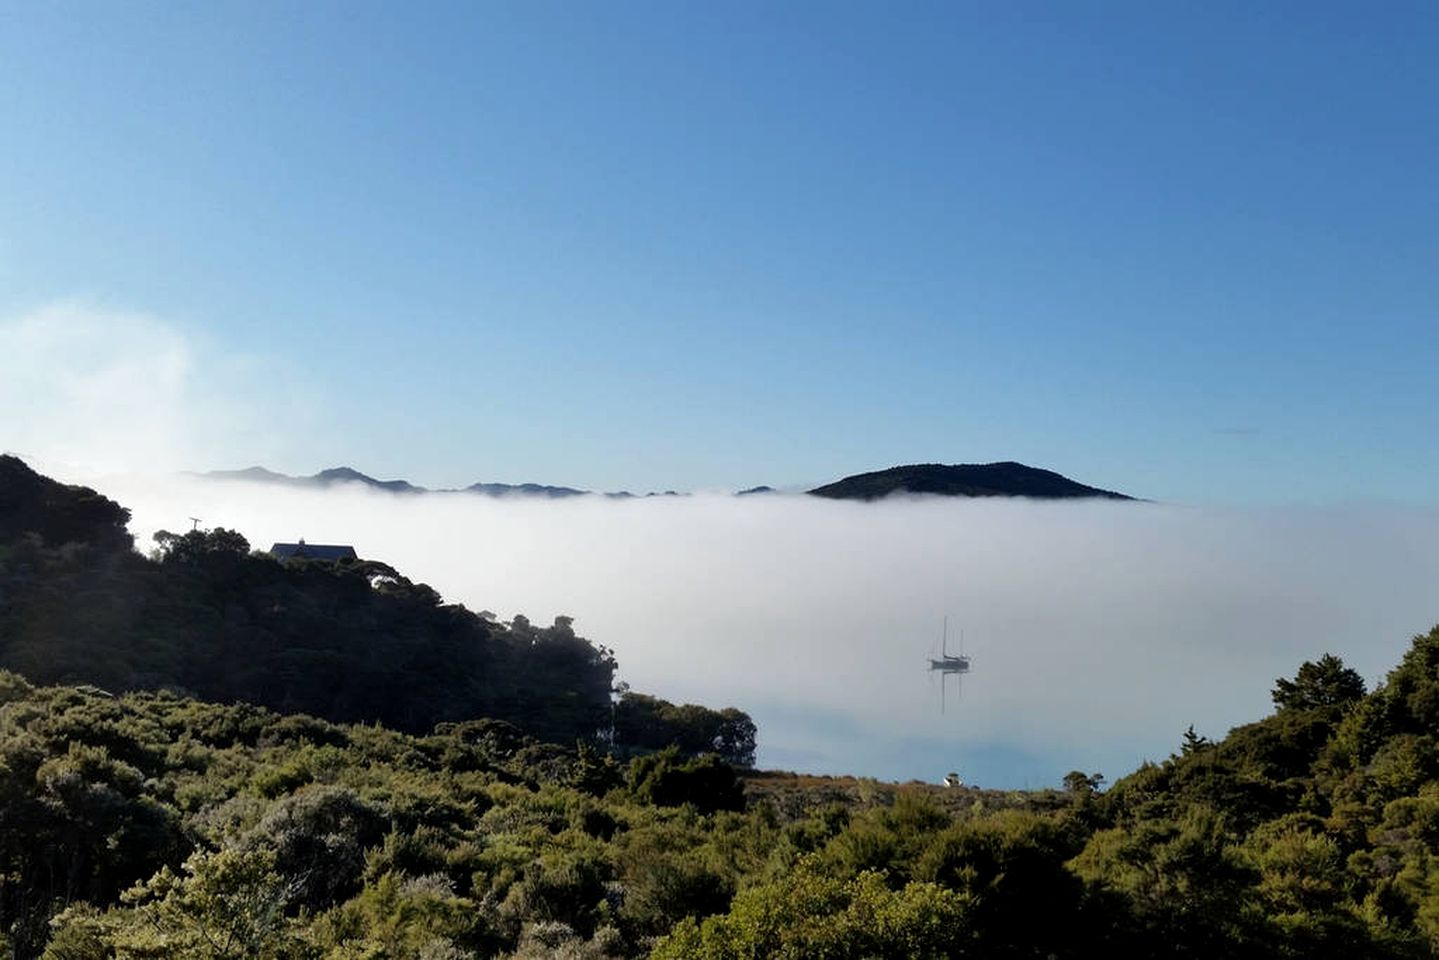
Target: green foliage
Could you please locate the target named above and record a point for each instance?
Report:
(318, 837)
(664, 779)
(643, 722)
(399, 916)
(158, 826)
(1083, 785)
(1325, 683)
(218, 906)
(13, 687)
(813, 915)
(199, 546)
(662, 889)
(1303, 890)
(594, 772)
(1178, 882)
(1005, 864)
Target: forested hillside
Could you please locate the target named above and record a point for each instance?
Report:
(351, 642)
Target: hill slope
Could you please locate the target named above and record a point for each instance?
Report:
(325, 478)
(352, 641)
(1007, 479)
(55, 512)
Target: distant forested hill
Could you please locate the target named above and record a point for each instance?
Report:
(1006, 479)
(352, 641)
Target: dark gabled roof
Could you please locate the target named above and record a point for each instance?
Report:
(312, 551)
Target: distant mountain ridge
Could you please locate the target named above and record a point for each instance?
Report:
(524, 489)
(349, 475)
(1005, 479)
(336, 475)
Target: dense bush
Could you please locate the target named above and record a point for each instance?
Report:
(154, 825)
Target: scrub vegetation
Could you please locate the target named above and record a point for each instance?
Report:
(388, 776)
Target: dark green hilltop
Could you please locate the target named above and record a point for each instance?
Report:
(1006, 479)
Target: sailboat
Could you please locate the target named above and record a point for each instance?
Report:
(948, 663)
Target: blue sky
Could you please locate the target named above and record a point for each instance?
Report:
(1186, 251)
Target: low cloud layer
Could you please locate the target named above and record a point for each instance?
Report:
(1099, 631)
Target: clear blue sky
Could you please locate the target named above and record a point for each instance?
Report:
(1189, 251)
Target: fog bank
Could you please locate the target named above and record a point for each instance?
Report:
(1099, 631)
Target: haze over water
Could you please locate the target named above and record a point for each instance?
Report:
(1099, 631)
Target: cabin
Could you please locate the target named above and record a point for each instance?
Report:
(331, 552)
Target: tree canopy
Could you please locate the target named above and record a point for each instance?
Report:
(1326, 682)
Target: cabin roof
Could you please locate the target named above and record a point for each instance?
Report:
(313, 551)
